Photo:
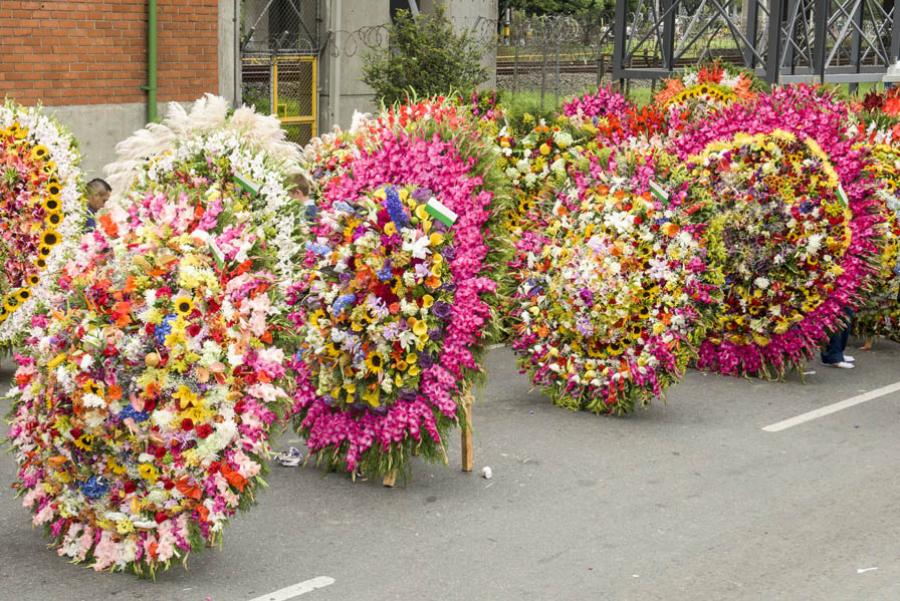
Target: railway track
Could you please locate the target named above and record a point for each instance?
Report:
(506, 67)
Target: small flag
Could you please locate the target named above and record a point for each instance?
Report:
(217, 253)
(440, 212)
(249, 186)
(842, 195)
(659, 192)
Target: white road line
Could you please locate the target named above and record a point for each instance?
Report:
(290, 592)
(833, 408)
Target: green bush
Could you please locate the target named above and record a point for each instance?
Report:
(424, 56)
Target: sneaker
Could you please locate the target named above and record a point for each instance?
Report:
(841, 365)
(290, 458)
(849, 359)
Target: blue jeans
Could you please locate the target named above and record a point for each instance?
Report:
(834, 352)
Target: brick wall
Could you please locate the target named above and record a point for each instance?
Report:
(95, 52)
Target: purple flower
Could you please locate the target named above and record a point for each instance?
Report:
(587, 296)
(422, 194)
(441, 310)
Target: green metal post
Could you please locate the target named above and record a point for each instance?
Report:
(151, 86)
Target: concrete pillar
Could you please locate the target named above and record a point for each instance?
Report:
(229, 70)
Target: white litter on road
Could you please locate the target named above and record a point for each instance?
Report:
(293, 591)
(487, 473)
(833, 408)
(864, 570)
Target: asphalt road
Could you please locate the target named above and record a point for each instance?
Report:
(688, 500)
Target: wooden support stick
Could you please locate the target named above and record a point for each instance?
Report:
(468, 454)
(390, 479)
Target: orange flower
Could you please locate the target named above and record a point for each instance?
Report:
(109, 227)
(234, 479)
(121, 313)
(670, 229)
(191, 491)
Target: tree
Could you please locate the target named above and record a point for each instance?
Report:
(425, 55)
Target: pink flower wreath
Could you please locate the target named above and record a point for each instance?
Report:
(805, 111)
(379, 439)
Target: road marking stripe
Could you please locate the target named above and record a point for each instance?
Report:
(290, 592)
(833, 408)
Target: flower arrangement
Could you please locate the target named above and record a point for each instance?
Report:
(144, 400)
(880, 316)
(794, 261)
(603, 110)
(881, 110)
(805, 111)
(612, 296)
(41, 212)
(212, 145)
(391, 302)
(702, 90)
(713, 85)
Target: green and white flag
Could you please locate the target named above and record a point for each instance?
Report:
(250, 186)
(659, 192)
(217, 253)
(440, 212)
(842, 195)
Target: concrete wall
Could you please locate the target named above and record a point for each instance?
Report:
(352, 93)
(344, 41)
(99, 127)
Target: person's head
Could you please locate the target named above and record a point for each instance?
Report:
(98, 192)
(299, 187)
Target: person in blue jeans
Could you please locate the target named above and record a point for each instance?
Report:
(833, 355)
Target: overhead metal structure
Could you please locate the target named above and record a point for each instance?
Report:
(839, 41)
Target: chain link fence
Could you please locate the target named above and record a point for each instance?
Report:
(553, 56)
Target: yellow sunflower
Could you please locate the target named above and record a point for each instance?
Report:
(52, 220)
(50, 238)
(51, 203)
(40, 152)
(374, 363)
(183, 305)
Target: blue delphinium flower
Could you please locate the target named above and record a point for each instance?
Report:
(395, 208)
(138, 416)
(163, 329)
(319, 249)
(386, 273)
(94, 488)
(342, 303)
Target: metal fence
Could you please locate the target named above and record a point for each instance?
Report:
(280, 46)
(554, 56)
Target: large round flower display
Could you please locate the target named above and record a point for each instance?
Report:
(144, 400)
(41, 212)
(611, 297)
(211, 145)
(791, 263)
(880, 316)
(391, 301)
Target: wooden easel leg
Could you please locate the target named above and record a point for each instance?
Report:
(468, 454)
(390, 479)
